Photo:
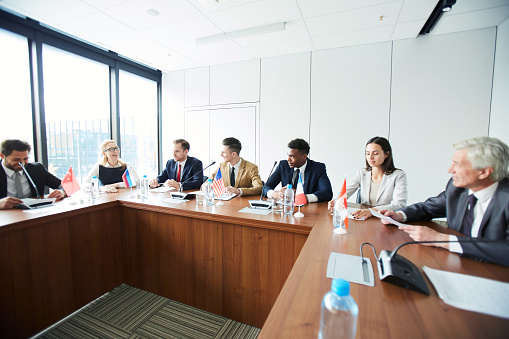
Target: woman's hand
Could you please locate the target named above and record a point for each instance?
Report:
(362, 214)
(108, 188)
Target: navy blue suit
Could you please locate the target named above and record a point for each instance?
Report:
(452, 203)
(193, 167)
(316, 180)
(39, 175)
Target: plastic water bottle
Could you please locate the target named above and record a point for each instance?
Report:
(339, 312)
(95, 188)
(288, 201)
(144, 187)
(209, 193)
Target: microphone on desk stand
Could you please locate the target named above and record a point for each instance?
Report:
(30, 178)
(180, 194)
(263, 204)
(396, 269)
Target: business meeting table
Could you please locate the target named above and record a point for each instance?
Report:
(268, 271)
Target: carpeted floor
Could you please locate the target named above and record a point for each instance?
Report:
(128, 312)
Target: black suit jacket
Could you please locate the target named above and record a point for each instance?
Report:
(39, 175)
(452, 203)
(316, 180)
(193, 168)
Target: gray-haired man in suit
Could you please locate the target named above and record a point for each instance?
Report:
(475, 202)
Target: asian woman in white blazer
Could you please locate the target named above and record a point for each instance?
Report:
(381, 184)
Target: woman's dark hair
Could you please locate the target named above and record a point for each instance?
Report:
(388, 165)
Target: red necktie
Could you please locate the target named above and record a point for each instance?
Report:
(178, 174)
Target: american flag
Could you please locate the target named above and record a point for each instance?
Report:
(218, 184)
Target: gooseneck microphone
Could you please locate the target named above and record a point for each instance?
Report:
(396, 269)
(182, 184)
(265, 183)
(30, 178)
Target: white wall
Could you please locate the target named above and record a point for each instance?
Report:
(499, 122)
(441, 90)
(423, 93)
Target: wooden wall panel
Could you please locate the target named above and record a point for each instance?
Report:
(231, 270)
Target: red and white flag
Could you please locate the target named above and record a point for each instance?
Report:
(341, 204)
(218, 184)
(69, 183)
(300, 197)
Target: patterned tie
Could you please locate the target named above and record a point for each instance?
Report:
(295, 179)
(17, 184)
(466, 228)
(178, 173)
(232, 177)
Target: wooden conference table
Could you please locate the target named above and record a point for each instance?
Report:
(213, 257)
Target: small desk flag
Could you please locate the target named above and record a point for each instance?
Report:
(126, 178)
(218, 184)
(300, 197)
(69, 183)
(341, 204)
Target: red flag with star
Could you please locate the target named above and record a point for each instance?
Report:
(69, 183)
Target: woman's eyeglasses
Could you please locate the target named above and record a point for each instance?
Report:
(112, 149)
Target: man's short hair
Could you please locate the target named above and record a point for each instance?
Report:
(299, 144)
(486, 152)
(10, 145)
(185, 145)
(233, 144)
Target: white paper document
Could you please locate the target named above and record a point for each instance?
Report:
(226, 196)
(253, 210)
(471, 293)
(350, 268)
(383, 217)
(161, 189)
(175, 201)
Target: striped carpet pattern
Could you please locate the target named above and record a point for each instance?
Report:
(128, 312)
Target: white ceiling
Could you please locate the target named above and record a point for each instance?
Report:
(167, 41)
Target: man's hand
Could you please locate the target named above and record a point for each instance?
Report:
(172, 183)
(56, 194)
(9, 202)
(423, 233)
(394, 215)
(153, 183)
(231, 189)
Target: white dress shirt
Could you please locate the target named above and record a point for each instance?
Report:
(310, 197)
(11, 186)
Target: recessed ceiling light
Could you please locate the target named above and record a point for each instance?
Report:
(152, 12)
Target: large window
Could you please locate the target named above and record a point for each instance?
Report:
(77, 104)
(15, 93)
(138, 123)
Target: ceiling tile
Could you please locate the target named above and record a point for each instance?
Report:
(103, 4)
(183, 31)
(312, 8)
(464, 6)
(104, 29)
(416, 10)
(133, 13)
(209, 6)
(52, 12)
(255, 14)
(294, 30)
(407, 30)
(472, 20)
(362, 37)
(364, 18)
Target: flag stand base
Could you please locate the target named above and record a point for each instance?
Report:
(299, 214)
(219, 203)
(340, 230)
(132, 195)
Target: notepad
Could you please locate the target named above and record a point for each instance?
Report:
(351, 268)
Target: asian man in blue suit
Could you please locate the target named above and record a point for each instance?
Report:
(316, 183)
(180, 169)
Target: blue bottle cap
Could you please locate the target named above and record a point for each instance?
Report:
(210, 180)
(289, 186)
(341, 287)
(94, 177)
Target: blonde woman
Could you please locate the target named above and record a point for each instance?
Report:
(111, 168)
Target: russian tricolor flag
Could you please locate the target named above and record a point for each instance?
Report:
(126, 178)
